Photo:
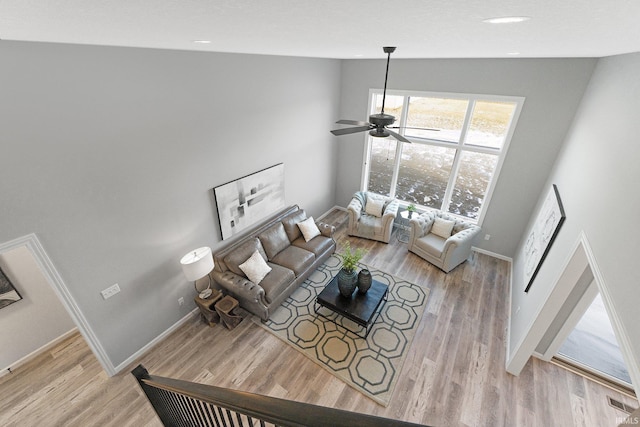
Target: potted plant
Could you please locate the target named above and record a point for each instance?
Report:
(411, 208)
(348, 275)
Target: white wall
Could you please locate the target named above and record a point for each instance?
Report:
(109, 156)
(597, 175)
(38, 318)
(552, 87)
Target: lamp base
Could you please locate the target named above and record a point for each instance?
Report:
(205, 294)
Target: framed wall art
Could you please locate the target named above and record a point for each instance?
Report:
(8, 294)
(542, 234)
(245, 201)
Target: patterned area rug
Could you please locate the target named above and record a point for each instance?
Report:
(371, 365)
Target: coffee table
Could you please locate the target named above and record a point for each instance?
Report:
(362, 309)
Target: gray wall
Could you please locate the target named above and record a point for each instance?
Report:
(597, 175)
(38, 318)
(109, 156)
(552, 87)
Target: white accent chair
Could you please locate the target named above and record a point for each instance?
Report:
(362, 224)
(444, 253)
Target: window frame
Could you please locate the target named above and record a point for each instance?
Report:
(459, 146)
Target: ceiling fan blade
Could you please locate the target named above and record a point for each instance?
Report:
(346, 131)
(398, 136)
(352, 122)
(409, 127)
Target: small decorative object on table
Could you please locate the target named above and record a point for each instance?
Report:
(411, 209)
(348, 276)
(364, 281)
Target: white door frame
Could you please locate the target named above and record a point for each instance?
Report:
(60, 288)
(579, 260)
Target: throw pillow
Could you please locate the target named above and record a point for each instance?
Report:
(255, 268)
(442, 227)
(374, 207)
(309, 229)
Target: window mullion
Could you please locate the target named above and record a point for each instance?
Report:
(453, 177)
(399, 145)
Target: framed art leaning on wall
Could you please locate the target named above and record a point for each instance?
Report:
(245, 201)
(542, 234)
(8, 294)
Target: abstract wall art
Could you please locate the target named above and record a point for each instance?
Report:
(542, 234)
(8, 294)
(245, 201)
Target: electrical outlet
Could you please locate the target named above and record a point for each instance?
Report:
(181, 301)
(487, 236)
(110, 291)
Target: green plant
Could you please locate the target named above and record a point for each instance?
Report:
(350, 257)
(412, 208)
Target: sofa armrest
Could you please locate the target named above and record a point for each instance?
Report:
(462, 238)
(326, 229)
(390, 211)
(240, 286)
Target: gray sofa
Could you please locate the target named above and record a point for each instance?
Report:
(292, 259)
(444, 253)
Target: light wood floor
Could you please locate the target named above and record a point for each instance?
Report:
(454, 373)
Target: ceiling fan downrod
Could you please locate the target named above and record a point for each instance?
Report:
(388, 50)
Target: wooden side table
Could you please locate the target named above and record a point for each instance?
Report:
(225, 308)
(207, 307)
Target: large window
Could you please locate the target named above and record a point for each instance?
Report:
(458, 145)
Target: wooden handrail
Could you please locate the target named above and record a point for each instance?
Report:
(273, 410)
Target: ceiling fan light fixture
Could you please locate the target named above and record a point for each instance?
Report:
(506, 20)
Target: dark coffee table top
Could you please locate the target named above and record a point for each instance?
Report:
(359, 307)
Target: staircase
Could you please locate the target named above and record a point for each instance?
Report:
(182, 403)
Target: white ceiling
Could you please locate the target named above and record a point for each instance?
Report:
(335, 28)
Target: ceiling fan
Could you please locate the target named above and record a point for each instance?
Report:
(378, 124)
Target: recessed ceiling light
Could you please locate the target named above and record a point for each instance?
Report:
(506, 20)
(513, 53)
(202, 41)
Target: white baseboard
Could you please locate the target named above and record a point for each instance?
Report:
(340, 208)
(48, 346)
(493, 254)
(156, 340)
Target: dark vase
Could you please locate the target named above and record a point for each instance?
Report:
(364, 281)
(347, 282)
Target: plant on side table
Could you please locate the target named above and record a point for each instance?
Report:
(348, 274)
(412, 209)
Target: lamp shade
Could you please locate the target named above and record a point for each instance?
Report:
(197, 263)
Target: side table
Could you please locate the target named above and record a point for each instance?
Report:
(207, 307)
(404, 228)
(225, 308)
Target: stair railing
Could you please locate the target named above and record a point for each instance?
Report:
(181, 403)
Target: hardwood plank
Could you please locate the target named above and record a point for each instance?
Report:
(454, 373)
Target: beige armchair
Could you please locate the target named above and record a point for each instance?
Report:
(369, 222)
(445, 244)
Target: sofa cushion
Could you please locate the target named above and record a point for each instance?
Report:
(290, 223)
(442, 227)
(295, 258)
(431, 244)
(242, 253)
(255, 268)
(274, 240)
(274, 283)
(374, 207)
(309, 228)
(318, 245)
(370, 224)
